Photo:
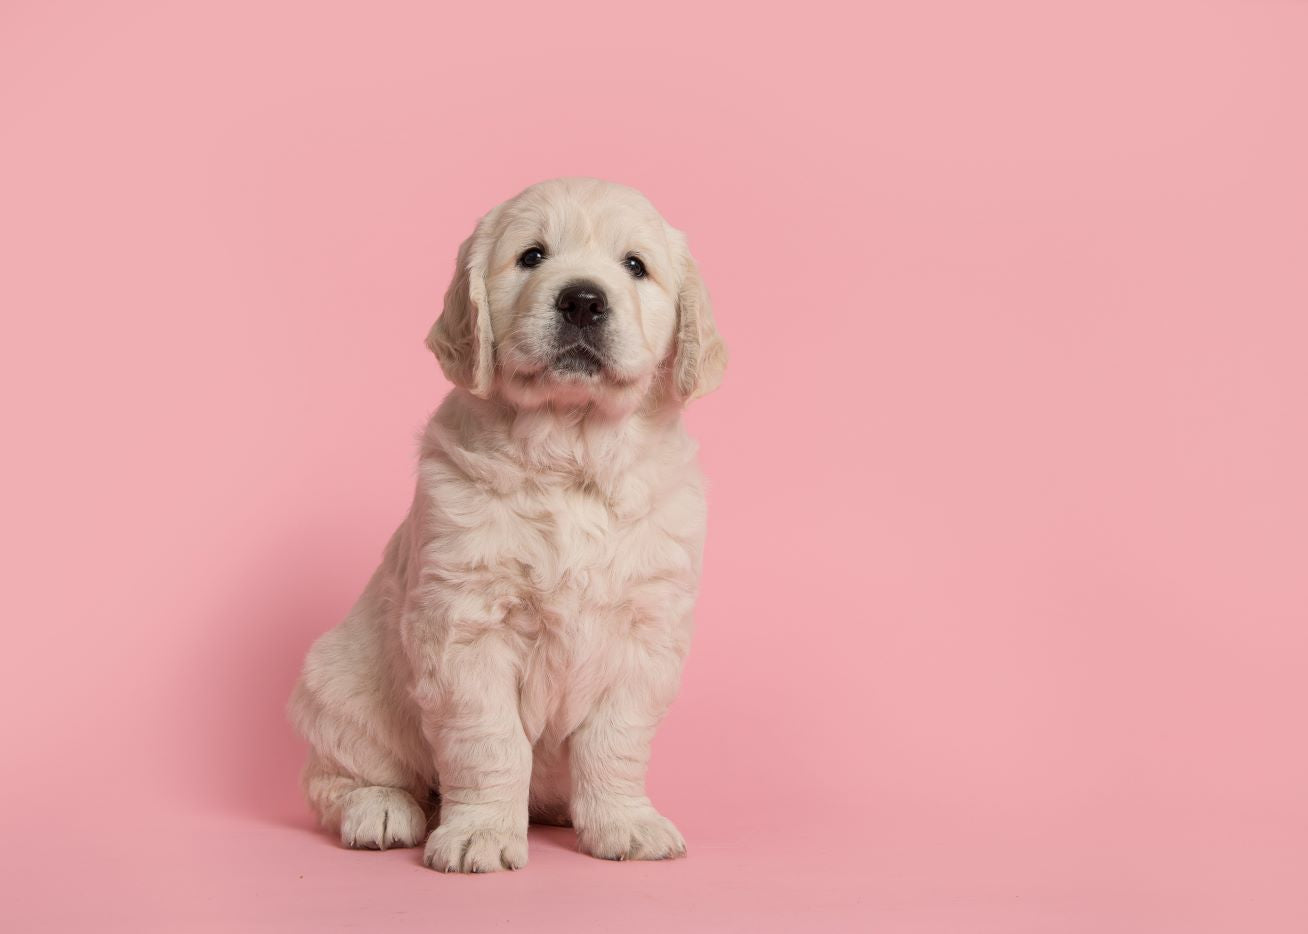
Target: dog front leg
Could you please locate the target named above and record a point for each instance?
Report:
(609, 755)
(483, 758)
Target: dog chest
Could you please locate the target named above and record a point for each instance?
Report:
(600, 587)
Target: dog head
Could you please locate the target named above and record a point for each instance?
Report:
(577, 292)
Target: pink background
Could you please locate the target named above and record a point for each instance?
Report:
(1003, 623)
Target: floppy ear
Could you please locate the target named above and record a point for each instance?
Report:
(700, 357)
(461, 338)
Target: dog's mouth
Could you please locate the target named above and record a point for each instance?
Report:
(578, 359)
(578, 366)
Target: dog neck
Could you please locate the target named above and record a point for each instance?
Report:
(503, 446)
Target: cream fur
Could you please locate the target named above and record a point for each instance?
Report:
(525, 631)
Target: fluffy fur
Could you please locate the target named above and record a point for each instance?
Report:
(525, 632)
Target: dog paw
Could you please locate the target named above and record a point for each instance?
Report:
(376, 818)
(474, 848)
(644, 834)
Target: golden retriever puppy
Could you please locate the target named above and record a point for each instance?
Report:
(513, 654)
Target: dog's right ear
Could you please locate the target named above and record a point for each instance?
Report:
(461, 338)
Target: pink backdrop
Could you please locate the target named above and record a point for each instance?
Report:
(1003, 624)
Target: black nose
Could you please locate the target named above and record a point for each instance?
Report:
(582, 304)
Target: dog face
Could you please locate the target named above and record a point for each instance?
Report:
(577, 292)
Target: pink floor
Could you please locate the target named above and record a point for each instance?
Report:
(778, 874)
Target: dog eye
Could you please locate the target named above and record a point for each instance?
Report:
(634, 266)
(532, 258)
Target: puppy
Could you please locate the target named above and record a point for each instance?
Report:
(513, 654)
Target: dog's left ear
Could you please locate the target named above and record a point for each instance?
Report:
(461, 338)
(700, 357)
